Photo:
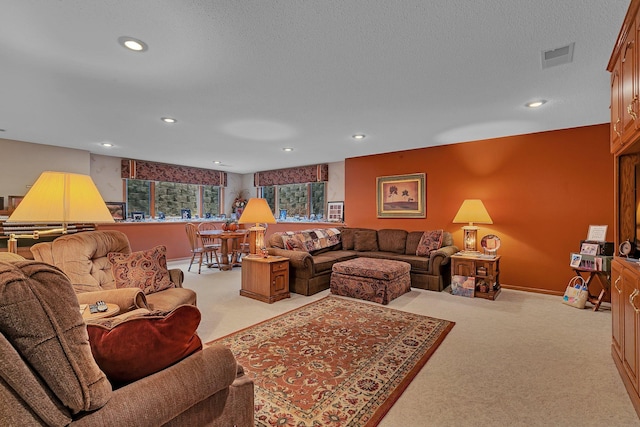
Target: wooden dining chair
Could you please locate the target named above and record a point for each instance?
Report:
(210, 242)
(197, 246)
(243, 247)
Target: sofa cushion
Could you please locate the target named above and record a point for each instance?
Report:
(413, 238)
(39, 315)
(430, 241)
(366, 240)
(275, 240)
(133, 348)
(390, 240)
(348, 236)
(146, 270)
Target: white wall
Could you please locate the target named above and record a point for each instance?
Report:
(24, 162)
(105, 172)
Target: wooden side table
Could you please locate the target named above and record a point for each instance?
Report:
(483, 269)
(112, 310)
(265, 279)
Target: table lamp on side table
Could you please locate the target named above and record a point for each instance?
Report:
(472, 211)
(257, 211)
(59, 198)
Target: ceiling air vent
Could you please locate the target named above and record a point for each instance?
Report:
(559, 56)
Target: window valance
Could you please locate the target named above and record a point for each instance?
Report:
(299, 175)
(152, 171)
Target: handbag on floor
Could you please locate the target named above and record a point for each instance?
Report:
(577, 293)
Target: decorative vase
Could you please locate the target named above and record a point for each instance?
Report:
(233, 226)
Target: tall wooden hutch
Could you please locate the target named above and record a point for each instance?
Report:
(624, 66)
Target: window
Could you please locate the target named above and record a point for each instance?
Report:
(171, 197)
(299, 200)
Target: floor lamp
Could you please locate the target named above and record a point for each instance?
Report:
(58, 198)
(472, 211)
(257, 211)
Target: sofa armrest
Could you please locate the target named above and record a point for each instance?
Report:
(126, 298)
(439, 258)
(297, 259)
(176, 276)
(160, 397)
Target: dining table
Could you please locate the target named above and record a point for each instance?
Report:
(228, 241)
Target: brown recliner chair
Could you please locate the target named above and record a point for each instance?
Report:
(83, 258)
(48, 375)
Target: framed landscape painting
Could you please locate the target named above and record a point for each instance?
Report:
(401, 196)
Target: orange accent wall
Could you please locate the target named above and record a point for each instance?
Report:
(542, 191)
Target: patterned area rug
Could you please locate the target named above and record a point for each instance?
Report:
(334, 362)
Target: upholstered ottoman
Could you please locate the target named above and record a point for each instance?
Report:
(377, 280)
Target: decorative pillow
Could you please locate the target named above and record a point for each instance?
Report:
(366, 241)
(127, 350)
(430, 241)
(146, 270)
(39, 315)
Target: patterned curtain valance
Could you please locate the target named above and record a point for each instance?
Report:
(151, 171)
(299, 175)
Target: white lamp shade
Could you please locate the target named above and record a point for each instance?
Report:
(472, 211)
(257, 211)
(59, 197)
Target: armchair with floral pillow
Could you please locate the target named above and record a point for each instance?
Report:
(101, 266)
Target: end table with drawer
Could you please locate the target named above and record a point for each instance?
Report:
(265, 279)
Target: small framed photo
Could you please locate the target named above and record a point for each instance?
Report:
(118, 210)
(137, 216)
(575, 260)
(589, 249)
(597, 233)
(185, 213)
(335, 211)
(283, 215)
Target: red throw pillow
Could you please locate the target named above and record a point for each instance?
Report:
(127, 350)
(146, 270)
(430, 241)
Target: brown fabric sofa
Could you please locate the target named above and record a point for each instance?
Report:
(48, 375)
(83, 258)
(310, 272)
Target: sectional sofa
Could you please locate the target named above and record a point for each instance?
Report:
(312, 254)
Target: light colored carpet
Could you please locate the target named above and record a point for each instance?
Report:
(523, 360)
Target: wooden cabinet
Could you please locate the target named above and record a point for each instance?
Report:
(624, 66)
(625, 311)
(484, 270)
(265, 279)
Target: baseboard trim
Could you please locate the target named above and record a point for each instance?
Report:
(534, 290)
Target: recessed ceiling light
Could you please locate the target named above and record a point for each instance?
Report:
(287, 149)
(107, 144)
(169, 120)
(216, 162)
(133, 44)
(535, 104)
(358, 136)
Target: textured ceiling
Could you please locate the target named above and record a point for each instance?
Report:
(246, 78)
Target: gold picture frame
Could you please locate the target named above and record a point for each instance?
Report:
(402, 196)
